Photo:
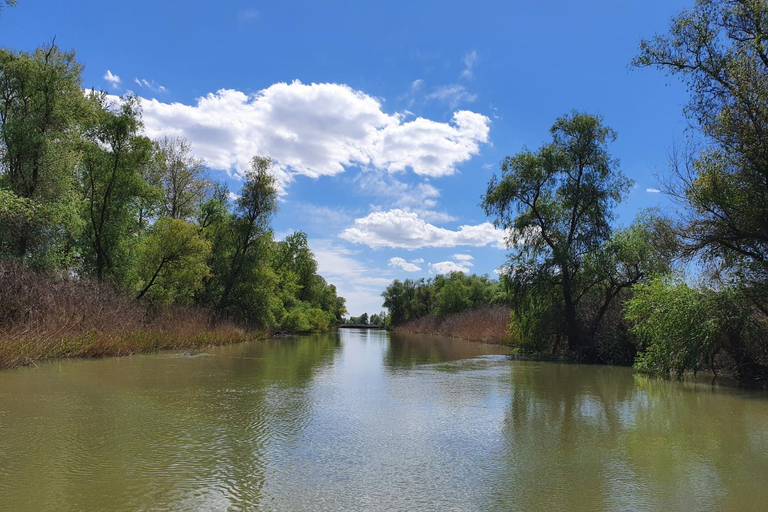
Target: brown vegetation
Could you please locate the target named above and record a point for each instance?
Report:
(486, 324)
(46, 316)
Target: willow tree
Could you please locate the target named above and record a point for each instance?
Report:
(558, 204)
(719, 49)
(41, 108)
(113, 154)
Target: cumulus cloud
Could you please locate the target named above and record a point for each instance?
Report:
(315, 130)
(446, 267)
(653, 190)
(452, 94)
(113, 79)
(463, 258)
(469, 60)
(403, 264)
(402, 229)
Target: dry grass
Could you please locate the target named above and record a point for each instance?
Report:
(487, 325)
(47, 316)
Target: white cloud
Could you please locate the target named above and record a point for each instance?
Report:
(420, 198)
(469, 60)
(232, 196)
(151, 85)
(315, 130)
(463, 258)
(403, 264)
(446, 267)
(452, 94)
(359, 284)
(416, 85)
(403, 229)
(323, 215)
(653, 190)
(113, 79)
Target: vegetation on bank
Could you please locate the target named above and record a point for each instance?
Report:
(487, 324)
(669, 295)
(89, 203)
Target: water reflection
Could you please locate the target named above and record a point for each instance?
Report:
(592, 438)
(129, 434)
(406, 350)
(364, 420)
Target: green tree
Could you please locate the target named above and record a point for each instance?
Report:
(41, 108)
(398, 298)
(558, 203)
(171, 262)
(113, 155)
(719, 49)
(243, 281)
(683, 328)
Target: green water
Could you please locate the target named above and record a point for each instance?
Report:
(361, 420)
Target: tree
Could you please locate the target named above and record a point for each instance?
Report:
(171, 262)
(113, 154)
(398, 298)
(683, 328)
(246, 236)
(719, 48)
(557, 203)
(41, 108)
(183, 177)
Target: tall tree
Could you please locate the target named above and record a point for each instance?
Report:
(558, 203)
(171, 262)
(183, 176)
(113, 155)
(719, 48)
(253, 211)
(41, 108)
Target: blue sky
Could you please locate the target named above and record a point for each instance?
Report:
(386, 119)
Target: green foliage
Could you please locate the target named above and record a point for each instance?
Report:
(81, 190)
(718, 49)
(557, 203)
(41, 104)
(683, 328)
(171, 262)
(113, 153)
(444, 295)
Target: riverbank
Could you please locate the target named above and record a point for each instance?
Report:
(44, 318)
(177, 330)
(484, 325)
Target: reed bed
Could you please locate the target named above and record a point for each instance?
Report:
(487, 325)
(47, 316)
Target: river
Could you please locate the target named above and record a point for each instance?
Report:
(366, 420)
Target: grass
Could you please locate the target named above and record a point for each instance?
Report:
(46, 316)
(487, 325)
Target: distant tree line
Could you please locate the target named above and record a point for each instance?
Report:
(375, 319)
(84, 193)
(440, 296)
